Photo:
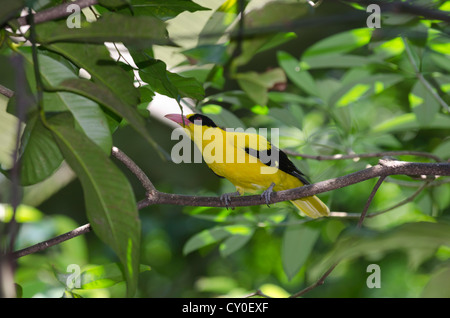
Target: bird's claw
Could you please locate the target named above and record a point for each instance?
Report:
(267, 193)
(226, 198)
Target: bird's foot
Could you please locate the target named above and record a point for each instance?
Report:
(267, 193)
(226, 198)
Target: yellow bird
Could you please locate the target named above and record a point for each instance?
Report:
(248, 161)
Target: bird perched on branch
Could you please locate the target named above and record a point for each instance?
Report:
(247, 160)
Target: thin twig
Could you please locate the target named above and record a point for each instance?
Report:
(403, 202)
(369, 200)
(134, 168)
(317, 283)
(6, 91)
(53, 241)
(257, 293)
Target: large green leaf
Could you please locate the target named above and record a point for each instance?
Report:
(111, 27)
(298, 76)
(233, 237)
(155, 73)
(257, 85)
(340, 43)
(298, 241)
(163, 10)
(96, 60)
(87, 113)
(260, 24)
(218, 22)
(406, 122)
(109, 199)
(336, 61)
(102, 95)
(40, 155)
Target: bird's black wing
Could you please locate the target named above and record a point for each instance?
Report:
(275, 154)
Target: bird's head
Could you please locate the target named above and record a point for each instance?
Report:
(189, 121)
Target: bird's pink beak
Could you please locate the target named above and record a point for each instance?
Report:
(179, 119)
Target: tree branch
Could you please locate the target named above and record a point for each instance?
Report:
(6, 91)
(56, 12)
(383, 169)
(317, 283)
(365, 155)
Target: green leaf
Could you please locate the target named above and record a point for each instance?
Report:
(163, 10)
(340, 43)
(205, 238)
(109, 199)
(406, 122)
(104, 96)
(297, 244)
(104, 275)
(39, 153)
(222, 116)
(299, 77)
(260, 22)
(87, 113)
(256, 85)
(423, 104)
(96, 60)
(205, 54)
(335, 61)
(170, 84)
(24, 213)
(235, 237)
(218, 22)
(439, 284)
(110, 27)
(235, 242)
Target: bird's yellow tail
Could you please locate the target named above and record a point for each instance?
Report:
(312, 207)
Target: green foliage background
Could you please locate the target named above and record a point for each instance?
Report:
(327, 81)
